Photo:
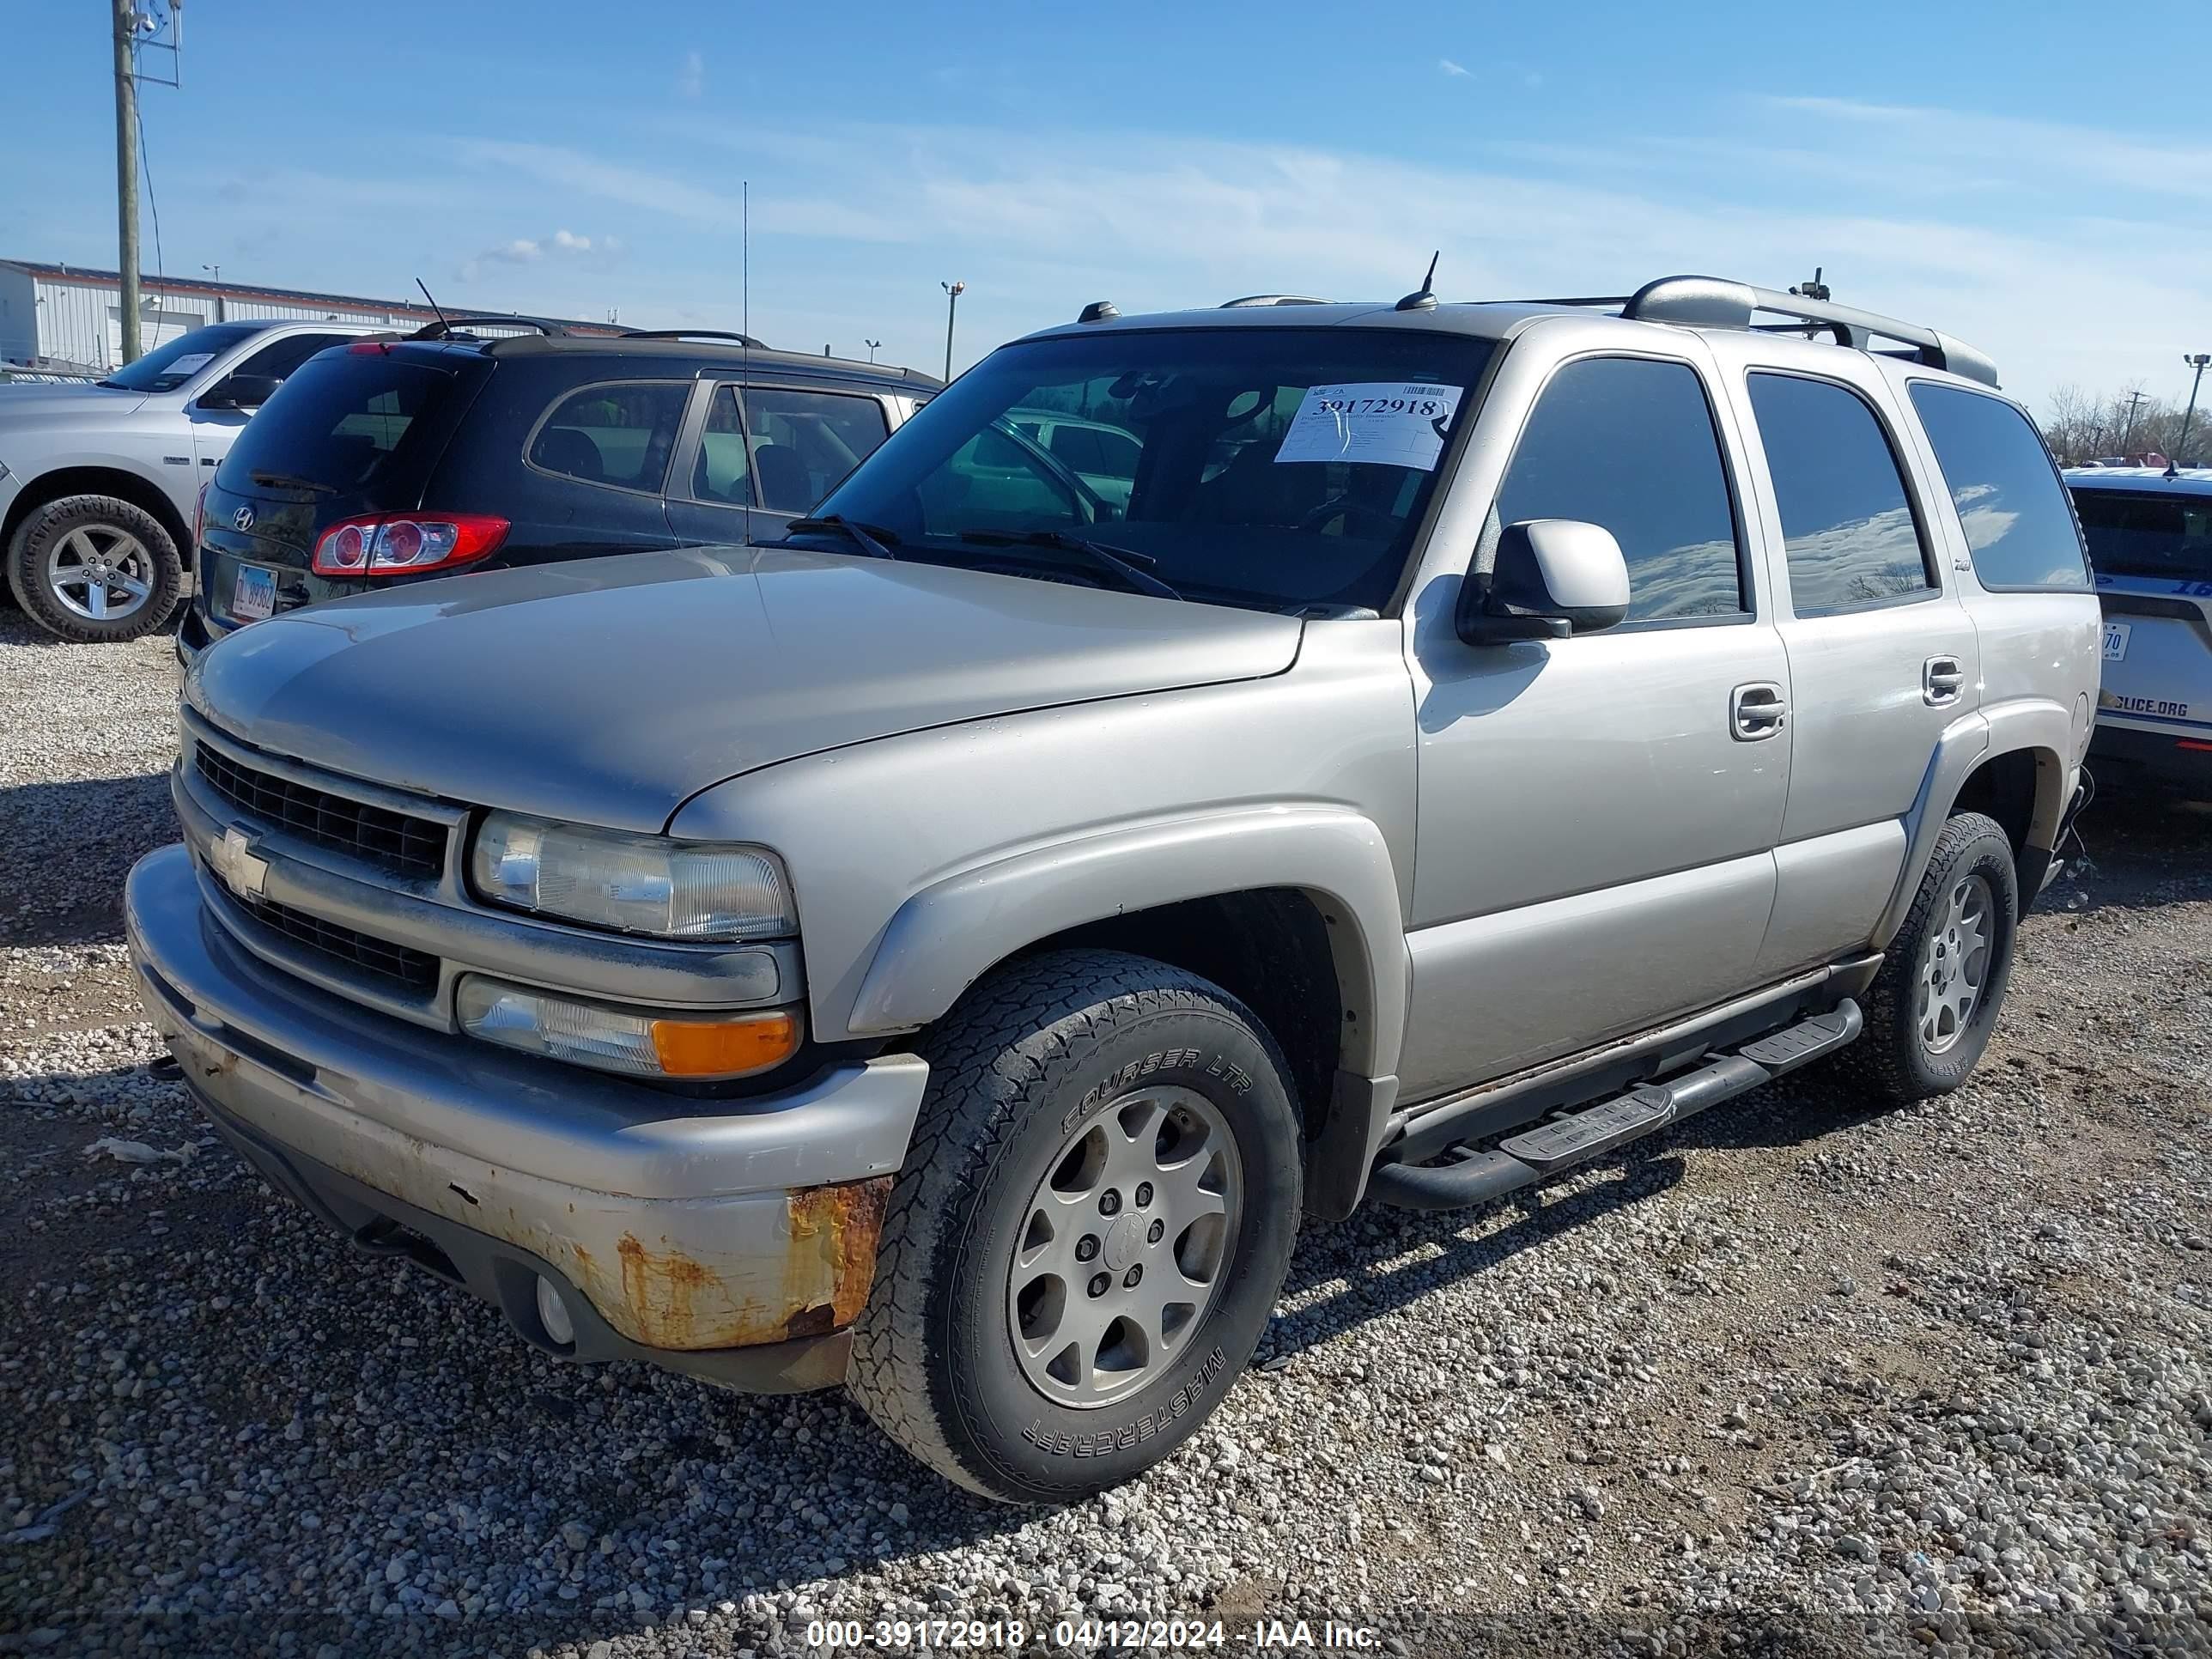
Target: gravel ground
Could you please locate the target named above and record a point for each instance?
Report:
(1799, 1377)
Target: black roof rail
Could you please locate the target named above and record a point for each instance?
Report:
(1718, 302)
(695, 334)
(1273, 300)
(445, 327)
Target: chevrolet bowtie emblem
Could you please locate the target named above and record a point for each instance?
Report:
(234, 861)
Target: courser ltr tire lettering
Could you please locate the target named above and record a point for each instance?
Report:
(1030, 1052)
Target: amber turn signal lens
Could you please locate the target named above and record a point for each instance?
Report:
(718, 1048)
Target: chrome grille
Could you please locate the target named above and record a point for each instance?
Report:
(393, 840)
(415, 970)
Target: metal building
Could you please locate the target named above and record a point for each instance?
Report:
(67, 318)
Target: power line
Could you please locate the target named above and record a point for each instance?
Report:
(160, 272)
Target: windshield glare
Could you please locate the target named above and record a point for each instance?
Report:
(1280, 468)
(166, 368)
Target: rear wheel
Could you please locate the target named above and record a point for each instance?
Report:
(1930, 1011)
(1090, 1230)
(95, 568)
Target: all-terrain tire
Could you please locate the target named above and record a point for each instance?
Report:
(113, 527)
(1895, 1056)
(1034, 1055)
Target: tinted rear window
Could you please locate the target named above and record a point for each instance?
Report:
(1847, 524)
(336, 421)
(2143, 533)
(2009, 499)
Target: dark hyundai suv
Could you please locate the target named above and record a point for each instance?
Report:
(391, 459)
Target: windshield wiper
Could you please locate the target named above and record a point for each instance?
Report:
(1129, 568)
(286, 480)
(869, 537)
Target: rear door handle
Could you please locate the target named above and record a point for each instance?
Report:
(1942, 680)
(1757, 710)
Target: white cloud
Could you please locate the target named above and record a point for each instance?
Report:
(529, 250)
(691, 79)
(1450, 68)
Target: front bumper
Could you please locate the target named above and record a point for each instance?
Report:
(733, 1239)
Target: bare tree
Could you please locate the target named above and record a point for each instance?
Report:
(2082, 427)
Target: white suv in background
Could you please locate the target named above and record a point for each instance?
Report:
(98, 482)
(2150, 546)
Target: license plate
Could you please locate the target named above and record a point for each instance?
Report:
(255, 596)
(2116, 640)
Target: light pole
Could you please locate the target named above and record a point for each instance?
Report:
(2197, 362)
(952, 293)
(215, 272)
(871, 345)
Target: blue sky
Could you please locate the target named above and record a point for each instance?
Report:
(2038, 185)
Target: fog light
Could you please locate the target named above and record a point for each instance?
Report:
(553, 1314)
(637, 1044)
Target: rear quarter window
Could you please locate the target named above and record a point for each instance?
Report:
(2009, 495)
(338, 421)
(620, 434)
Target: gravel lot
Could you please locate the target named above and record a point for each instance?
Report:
(1797, 1379)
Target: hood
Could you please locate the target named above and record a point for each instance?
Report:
(31, 404)
(608, 691)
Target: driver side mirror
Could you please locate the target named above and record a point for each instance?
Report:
(241, 392)
(1551, 578)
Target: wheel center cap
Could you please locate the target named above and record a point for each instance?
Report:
(1125, 1241)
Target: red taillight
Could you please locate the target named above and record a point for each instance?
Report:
(199, 514)
(403, 544)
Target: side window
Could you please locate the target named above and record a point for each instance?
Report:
(721, 472)
(803, 442)
(613, 434)
(280, 358)
(1629, 443)
(2008, 496)
(1847, 523)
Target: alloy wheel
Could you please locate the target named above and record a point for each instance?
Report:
(1124, 1246)
(1955, 963)
(100, 571)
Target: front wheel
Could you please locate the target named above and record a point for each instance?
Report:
(94, 568)
(1090, 1230)
(1930, 1011)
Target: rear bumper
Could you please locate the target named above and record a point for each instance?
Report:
(730, 1239)
(2181, 757)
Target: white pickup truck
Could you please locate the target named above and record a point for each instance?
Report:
(98, 482)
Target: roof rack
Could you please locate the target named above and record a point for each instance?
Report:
(446, 327)
(1716, 302)
(1273, 300)
(695, 334)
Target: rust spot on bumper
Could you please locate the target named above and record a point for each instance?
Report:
(818, 1284)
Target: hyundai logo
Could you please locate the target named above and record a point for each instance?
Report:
(243, 518)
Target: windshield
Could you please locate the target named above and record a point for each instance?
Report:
(166, 368)
(1277, 468)
(2139, 533)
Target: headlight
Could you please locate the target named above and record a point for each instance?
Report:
(637, 1044)
(632, 884)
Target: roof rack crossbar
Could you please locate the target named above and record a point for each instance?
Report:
(447, 326)
(695, 334)
(1273, 300)
(1716, 302)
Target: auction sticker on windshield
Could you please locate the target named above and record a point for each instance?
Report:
(1385, 423)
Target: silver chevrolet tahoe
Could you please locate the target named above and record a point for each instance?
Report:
(949, 953)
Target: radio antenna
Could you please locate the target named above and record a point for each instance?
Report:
(1423, 298)
(442, 323)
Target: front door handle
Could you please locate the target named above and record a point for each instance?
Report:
(1757, 710)
(1942, 680)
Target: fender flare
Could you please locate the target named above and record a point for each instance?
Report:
(948, 935)
(2037, 726)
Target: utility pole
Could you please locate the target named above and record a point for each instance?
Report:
(124, 24)
(952, 293)
(2181, 444)
(2128, 427)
